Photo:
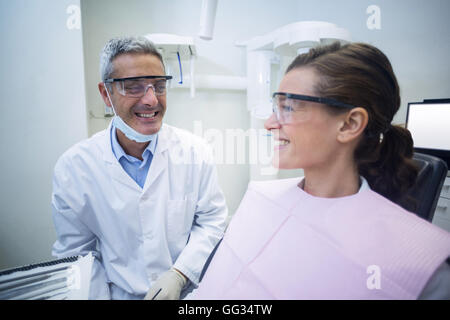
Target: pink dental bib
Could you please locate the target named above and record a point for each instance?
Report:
(286, 244)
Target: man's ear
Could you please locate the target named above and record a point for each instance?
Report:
(104, 94)
(353, 125)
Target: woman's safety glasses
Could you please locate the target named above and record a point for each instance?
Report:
(137, 87)
(287, 105)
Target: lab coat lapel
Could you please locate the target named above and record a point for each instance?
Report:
(159, 164)
(118, 174)
(113, 166)
(160, 158)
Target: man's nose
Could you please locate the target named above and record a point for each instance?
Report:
(150, 96)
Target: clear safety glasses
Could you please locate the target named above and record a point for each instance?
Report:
(287, 105)
(137, 87)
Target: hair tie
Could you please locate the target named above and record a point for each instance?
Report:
(388, 127)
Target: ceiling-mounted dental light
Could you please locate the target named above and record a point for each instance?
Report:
(207, 19)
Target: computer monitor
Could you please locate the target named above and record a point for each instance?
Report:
(429, 124)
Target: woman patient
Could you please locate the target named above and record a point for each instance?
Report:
(335, 233)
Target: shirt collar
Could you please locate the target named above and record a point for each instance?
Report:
(364, 184)
(119, 152)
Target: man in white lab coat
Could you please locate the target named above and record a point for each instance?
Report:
(142, 196)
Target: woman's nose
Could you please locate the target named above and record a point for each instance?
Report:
(272, 123)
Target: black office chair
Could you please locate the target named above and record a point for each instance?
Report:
(426, 190)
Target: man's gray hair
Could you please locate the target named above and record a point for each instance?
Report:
(122, 45)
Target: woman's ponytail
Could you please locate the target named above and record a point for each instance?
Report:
(389, 168)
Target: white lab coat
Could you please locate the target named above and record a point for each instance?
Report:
(137, 234)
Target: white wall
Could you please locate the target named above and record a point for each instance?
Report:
(42, 114)
(414, 34)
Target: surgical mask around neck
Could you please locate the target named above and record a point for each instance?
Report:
(128, 131)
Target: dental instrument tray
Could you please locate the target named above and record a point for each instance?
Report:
(61, 279)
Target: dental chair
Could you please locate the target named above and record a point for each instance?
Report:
(426, 190)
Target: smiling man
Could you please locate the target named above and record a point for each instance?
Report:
(142, 196)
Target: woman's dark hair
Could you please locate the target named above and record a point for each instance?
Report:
(361, 75)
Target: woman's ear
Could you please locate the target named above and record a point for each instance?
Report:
(353, 124)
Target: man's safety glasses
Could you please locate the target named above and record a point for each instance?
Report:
(285, 105)
(137, 87)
